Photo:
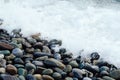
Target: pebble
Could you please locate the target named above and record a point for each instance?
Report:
(22, 71)
(54, 63)
(47, 77)
(115, 74)
(30, 77)
(18, 61)
(74, 64)
(68, 68)
(57, 56)
(78, 73)
(8, 77)
(17, 52)
(68, 78)
(30, 66)
(1, 56)
(38, 76)
(87, 78)
(38, 63)
(107, 78)
(57, 75)
(11, 69)
(5, 52)
(47, 72)
(2, 70)
(5, 46)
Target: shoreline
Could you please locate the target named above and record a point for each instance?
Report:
(26, 58)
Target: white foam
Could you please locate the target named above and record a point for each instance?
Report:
(88, 25)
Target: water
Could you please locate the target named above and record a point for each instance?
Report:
(92, 25)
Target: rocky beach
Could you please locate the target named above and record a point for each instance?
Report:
(33, 58)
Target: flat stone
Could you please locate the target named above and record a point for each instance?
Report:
(38, 63)
(107, 78)
(5, 46)
(47, 72)
(47, 77)
(54, 63)
(5, 52)
(8, 77)
(40, 54)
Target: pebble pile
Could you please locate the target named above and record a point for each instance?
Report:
(33, 58)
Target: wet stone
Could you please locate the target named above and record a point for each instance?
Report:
(87, 78)
(68, 68)
(47, 77)
(2, 70)
(78, 73)
(30, 66)
(8, 77)
(38, 76)
(41, 58)
(5, 46)
(41, 54)
(30, 77)
(57, 56)
(68, 78)
(2, 63)
(11, 69)
(22, 78)
(73, 64)
(5, 52)
(17, 52)
(54, 63)
(57, 75)
(19, 66)
(47, 72)
(115, 74)
(108, 78)
(104, 68)
(18, 61)
(22, 71)
(38, 63)
(1, 56)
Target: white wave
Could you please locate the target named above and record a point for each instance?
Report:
(91, 25)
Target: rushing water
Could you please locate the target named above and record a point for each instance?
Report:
(92, 25)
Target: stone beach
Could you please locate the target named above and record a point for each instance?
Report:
(33, 58)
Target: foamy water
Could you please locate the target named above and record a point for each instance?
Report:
(91, 25)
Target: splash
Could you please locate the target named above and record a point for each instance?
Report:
(91, 25)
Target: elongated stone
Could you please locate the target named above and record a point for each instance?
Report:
(54, 63)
